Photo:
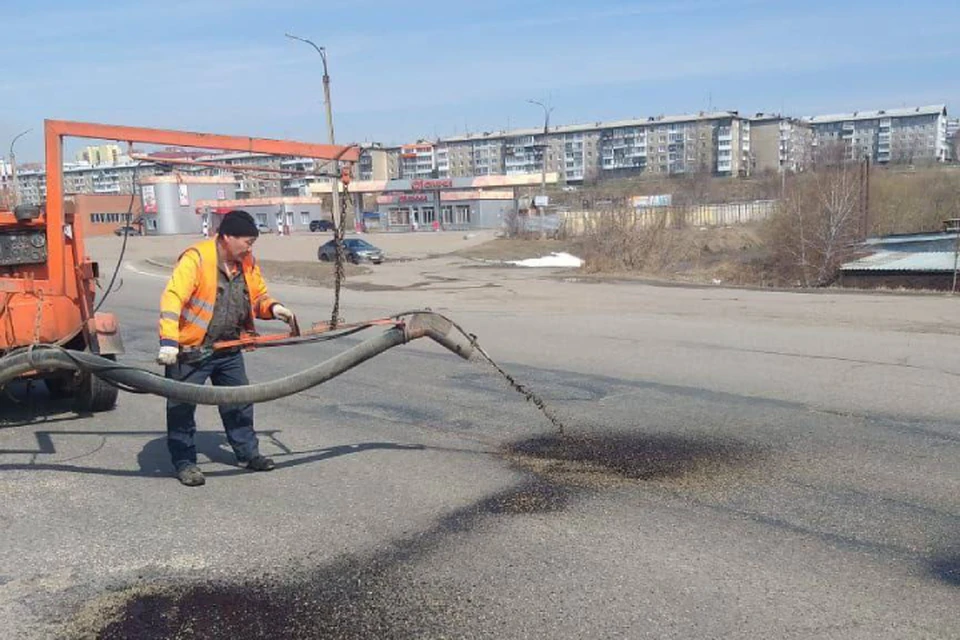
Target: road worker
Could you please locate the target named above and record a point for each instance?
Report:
(214, 294)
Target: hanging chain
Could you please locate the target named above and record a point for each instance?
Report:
(38, 320)
(338, 273)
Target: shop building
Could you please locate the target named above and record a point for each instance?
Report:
(481, 202)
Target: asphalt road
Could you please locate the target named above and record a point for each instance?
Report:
(742, 465)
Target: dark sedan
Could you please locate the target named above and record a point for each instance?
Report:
(356, 250)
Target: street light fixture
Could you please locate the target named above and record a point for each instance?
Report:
(13, 167)
(543, 160)
(335, 191)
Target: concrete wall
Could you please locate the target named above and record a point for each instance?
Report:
(707, 215)
(491, 214)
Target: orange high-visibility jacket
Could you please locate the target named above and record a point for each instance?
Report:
(186, 306)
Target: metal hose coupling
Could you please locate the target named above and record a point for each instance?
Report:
(440, 330)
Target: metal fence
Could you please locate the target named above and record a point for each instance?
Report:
(706, 215)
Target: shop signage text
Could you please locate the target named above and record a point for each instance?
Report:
(415, 197)
(426, 185)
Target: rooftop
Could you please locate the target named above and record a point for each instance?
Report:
(931, 110)
(927, 262)
(579, 128)
(931, 236)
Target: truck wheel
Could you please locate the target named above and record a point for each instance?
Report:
(95, 395)
(59, 387)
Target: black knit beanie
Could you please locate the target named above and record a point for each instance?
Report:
(239, 224)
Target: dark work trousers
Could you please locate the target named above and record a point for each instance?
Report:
(225, 370)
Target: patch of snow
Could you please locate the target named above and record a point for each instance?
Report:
(553, 260)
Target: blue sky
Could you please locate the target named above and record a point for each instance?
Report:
(411, 69)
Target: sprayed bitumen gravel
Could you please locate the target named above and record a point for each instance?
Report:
(602, 459)
(374, 596)
(525, 391)
(381, 595)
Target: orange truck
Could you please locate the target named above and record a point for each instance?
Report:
(47, 281)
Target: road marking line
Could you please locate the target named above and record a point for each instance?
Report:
(130, 267)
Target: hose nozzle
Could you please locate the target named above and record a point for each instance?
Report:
(441, 331)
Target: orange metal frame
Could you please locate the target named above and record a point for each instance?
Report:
(62, 290)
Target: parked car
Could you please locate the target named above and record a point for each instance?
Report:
(128, 230)
(356, 250)
(263, 227)
(321, 225)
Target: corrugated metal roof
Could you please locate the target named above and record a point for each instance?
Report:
(931, 261)
(933, 236)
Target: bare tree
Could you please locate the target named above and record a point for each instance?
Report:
(819, 220)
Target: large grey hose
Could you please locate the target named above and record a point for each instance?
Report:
(41, 359)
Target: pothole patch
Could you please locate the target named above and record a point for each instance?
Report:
(610, 459)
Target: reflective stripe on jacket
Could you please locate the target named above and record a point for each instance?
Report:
(186, 306)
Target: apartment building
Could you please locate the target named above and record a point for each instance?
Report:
(379, 163)
(475, 155)
(250, 184)
(779, 143)
(420, 161)
(575, 154)
(714, 142)
(31, 185)
(953, 139)
(102, 154)
(293, 185)
(897, 136)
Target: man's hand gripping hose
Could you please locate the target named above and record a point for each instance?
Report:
(419, 324)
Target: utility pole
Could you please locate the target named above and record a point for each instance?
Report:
(335, 191)
(543, 160)
(13, 167)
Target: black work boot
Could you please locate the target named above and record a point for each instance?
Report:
(191, 476)
(260, 463)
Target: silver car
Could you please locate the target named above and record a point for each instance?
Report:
(356, 250)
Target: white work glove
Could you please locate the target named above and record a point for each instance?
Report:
(168, 355)
(280, 312)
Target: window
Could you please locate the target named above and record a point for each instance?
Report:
(462, 214)
(107, 218)
(305, 217)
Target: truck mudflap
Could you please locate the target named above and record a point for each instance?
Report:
(104, 334)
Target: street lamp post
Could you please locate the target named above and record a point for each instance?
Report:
(326, 99)
(13, 167)
(543, 161)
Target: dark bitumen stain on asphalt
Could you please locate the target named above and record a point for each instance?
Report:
(602, 459)
(382, 595)
(947, 569)
(376, 596)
